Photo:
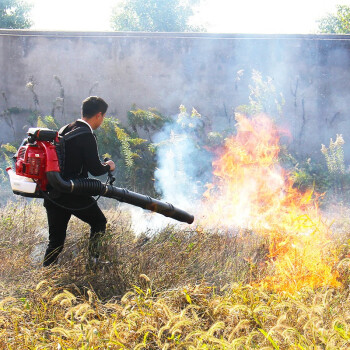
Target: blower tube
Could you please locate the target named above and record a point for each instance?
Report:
(94, 187)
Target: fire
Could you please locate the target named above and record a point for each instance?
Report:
(251, 190)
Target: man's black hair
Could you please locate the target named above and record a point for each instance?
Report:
(93, 105)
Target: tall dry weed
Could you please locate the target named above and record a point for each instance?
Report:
(192, 317)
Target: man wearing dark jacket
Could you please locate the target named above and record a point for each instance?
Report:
(81, 158)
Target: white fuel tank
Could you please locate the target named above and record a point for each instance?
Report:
(21, 184)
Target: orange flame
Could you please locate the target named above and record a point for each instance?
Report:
(251, 190)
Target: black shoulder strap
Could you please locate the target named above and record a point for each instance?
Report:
(62, 129)
(74, 133)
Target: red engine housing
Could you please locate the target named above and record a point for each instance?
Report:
(34, 160)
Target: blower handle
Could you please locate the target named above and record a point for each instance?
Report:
(110, 175)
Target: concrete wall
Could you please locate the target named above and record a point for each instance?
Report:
(164, 70)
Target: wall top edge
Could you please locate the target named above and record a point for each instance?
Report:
(21, 32)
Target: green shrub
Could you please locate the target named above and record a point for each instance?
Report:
(334, 156)
(133, 154)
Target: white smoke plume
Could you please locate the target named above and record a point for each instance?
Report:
(183, 168)
(183, 164)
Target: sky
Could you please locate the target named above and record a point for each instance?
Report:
(219, 16)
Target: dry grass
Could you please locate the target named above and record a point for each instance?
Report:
(171, 257)
(178, 289)
(197, 317)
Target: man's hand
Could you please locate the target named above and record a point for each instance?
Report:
(111, 164)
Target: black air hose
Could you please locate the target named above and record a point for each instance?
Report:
(94, 187)
(89, 187)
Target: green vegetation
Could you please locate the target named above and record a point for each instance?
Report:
(338, 23)
(327, 175)
(134, 155)
(15, 14)
(263, 97)
(334, 156)
(6, 152)
(154, 16)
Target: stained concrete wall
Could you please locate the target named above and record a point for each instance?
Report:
(164, 70)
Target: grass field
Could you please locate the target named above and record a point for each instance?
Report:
(179, 288)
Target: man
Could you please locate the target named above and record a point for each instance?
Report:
(81, 158)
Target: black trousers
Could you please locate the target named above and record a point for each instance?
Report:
(59, 217)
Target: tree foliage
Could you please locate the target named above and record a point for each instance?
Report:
(14, 14)
(134, 156)
(154, 16)
(338, 23)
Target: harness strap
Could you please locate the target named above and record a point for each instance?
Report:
(74, 133)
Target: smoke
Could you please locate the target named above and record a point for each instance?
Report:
(149, 223)
(183, 169)
(184, 165)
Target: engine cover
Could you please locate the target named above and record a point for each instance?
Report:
(36, 156)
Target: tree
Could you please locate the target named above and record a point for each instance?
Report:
(154, 15)
(338, 23)
(14, 14)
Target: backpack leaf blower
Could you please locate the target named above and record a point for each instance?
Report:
(37, 170)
